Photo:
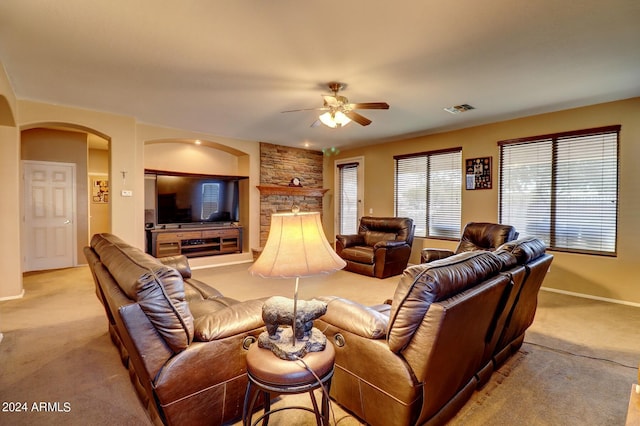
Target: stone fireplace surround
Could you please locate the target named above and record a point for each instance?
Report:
(278, 165)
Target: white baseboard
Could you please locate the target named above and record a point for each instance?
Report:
(18, 296)
(589, 296)
(193, 268)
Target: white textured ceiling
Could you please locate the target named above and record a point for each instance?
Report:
(229, 67)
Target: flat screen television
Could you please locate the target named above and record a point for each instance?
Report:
(183, 199)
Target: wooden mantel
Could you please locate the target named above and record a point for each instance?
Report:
(291, 190)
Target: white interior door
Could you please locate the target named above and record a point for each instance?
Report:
(49, 213)
(349, 187)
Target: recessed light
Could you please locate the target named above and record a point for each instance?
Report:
(457, 109)
(198, 141)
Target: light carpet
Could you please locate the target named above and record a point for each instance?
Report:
(576, 367)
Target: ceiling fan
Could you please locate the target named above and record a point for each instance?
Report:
(339, 112)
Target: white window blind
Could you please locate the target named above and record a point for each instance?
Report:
(428, 190)
(563, 189)
(348, 213)
(210, 199)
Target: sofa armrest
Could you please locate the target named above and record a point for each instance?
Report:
(231, 320)
(204, 368)
(430, 254)
(383, 308)
(179, 263)
(370, 361)
(354, 317)
(349, 240)
(203, 289)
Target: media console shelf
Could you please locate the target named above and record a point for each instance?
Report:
(193, 242)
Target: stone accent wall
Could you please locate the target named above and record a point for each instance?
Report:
(278, 165)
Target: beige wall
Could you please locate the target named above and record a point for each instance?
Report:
(599, 276)
(10, 261)
(99, 213)
(126, 169)
(125, 156)
(189, 158)
(605, 277)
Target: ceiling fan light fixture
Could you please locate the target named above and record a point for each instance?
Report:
(334, 119)
(339, 112)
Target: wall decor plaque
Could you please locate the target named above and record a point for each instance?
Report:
(478, 173)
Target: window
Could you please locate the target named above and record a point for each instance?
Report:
(348, 198)
(563, 189)
(428, 190)
(210, 199)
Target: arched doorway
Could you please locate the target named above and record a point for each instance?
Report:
(49, 215)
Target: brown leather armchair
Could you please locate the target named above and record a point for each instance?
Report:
(381, 248)
(475, 236)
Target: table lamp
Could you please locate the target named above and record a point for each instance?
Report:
(296, 247)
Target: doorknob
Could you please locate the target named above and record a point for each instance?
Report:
(66, 222)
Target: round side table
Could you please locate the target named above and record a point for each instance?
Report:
(269, 374)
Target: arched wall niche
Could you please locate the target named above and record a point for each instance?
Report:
(195, 156)
(190, 155)
(203, 142)
(68, 127)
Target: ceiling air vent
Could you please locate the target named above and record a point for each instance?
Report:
(459, 108)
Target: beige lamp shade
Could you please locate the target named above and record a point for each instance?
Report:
(296, 247)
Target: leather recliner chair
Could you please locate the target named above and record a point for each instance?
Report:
(381, 248)
(475, 236)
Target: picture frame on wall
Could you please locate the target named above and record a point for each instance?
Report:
(478, 173)
(100, 190)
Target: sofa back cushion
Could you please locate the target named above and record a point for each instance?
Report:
(524, 250)
(157, 288)
(422, 285)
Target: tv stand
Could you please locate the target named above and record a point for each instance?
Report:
(196, 241)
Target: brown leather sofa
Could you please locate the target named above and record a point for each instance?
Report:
(183, 342)
(419, 359)
(475, 236)
(381, 248)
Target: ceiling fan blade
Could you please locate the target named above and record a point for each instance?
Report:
(307, 109)
(360, 119)
(315, 123)
(370, 105)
